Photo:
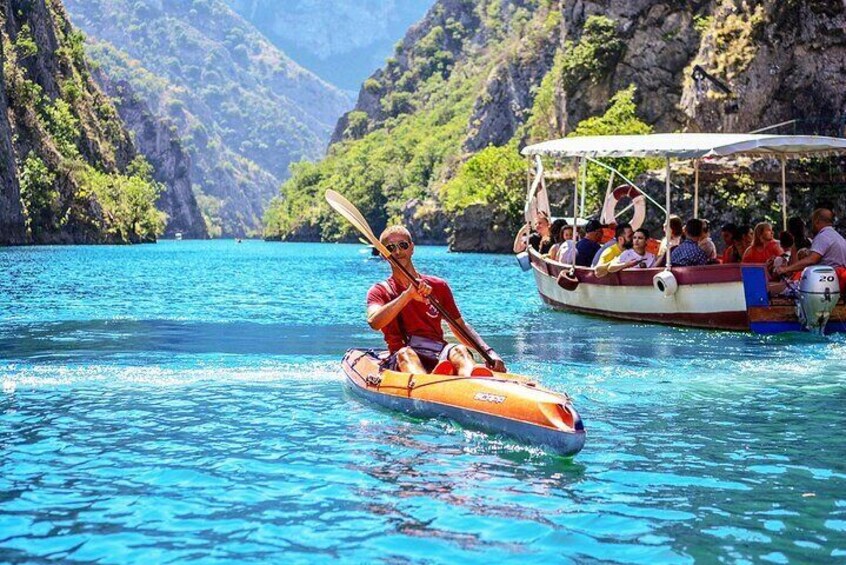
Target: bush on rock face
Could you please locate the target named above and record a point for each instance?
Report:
(486, 196)
(128, 200)
(495, 175)
(38, 193)
(597, 50)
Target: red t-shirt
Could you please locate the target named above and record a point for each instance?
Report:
(762, 255)
(417, 318)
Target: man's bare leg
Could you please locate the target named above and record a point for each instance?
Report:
(462, 359)
(409, 362)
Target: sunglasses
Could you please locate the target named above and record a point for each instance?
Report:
(402, 245)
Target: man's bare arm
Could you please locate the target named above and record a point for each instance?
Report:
(811, 259)
(379, 316)
(617, 265)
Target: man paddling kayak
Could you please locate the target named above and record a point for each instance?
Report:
(411, 326)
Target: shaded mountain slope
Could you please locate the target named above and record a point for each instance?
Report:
(342, 41)
(70, 171)
(243, 109)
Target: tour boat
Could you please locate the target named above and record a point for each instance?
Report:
(512, 405)
(730, 296)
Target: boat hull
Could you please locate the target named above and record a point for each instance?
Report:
(707, 297)
(727, 297)
(505, 404)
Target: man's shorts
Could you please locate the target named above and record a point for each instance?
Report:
(431, 353)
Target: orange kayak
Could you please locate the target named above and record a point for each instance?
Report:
(507, 404)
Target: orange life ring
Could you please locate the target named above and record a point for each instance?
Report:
(624, 191)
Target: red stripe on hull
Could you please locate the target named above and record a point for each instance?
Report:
(711, 320)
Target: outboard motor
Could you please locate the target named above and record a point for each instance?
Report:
(819, 292)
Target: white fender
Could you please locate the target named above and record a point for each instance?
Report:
(638, 202)
(665, 283)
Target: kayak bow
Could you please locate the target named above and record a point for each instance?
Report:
(508, 404)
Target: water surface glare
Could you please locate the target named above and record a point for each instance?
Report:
(184, 402)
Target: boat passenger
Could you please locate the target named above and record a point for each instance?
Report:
(706, 243)
(566, 252)
(563, 236)
(764, 247)
(540, 238)
(623, 240)
(788, 243)
(587, 247)
(796, 228)
(637, 256)
(671, 240)
(412, 327)
(688, 253)
(555, 234)
(728, 234)
(743, 239)
(827, 248)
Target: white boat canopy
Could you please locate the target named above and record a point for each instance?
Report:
(689, 145)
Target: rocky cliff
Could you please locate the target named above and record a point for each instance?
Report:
(783, 61)
(156, 139)
(70, 172)
(12, 228)
(243, 110)
(518, 71)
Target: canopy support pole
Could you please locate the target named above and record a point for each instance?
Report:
(576, 194)
(696, 188)
(575, 209)
(783, 195)
(667, 222)
(584, 188)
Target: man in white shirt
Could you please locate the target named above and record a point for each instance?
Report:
(637, 256)
(827, 248)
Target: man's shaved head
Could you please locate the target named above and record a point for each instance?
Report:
(823, 216)
(391, 230)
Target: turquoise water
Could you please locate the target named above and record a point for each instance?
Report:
(184, 402)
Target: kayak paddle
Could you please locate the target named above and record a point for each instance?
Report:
(348, 210)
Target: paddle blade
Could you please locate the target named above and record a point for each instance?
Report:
(348, 210)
